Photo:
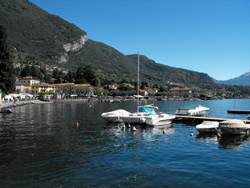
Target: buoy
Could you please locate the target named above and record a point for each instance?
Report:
(133, 128)
(192, 134)
(77, 124)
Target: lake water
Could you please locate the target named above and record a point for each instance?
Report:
(40, 146)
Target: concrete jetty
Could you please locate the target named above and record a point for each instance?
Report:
(199, 119)
(4, 107)
(239, 111)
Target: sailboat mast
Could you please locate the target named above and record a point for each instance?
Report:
(138, 83)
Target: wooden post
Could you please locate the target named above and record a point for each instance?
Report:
(0, 97)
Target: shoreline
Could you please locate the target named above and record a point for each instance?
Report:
(6, 105)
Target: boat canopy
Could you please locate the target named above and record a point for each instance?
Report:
(149, 109)
(190, 107)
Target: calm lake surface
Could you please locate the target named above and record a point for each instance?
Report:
(40, 146)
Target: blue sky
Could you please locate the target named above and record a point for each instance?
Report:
(209, 36)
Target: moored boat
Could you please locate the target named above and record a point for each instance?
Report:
(208, 127)
(192, 110)
(146, 114)
(123, 116)
(159, 119)
(234, 126)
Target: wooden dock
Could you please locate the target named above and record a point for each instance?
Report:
(199, 119)
(239, 111)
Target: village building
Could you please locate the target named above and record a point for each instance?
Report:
(143, 92)
(29, 80)
(20, 87)
(180, 92)
(45, 91)
(112, 87)
(152, 91)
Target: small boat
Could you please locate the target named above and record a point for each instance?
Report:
(208, 127)
(159, 119)
(192, 110)
(234, 126)
(145, 115)
(123, 116)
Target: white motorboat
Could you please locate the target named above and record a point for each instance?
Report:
(234, 126)
(192, 110)
(114, 116)
(144, 113)
(159, 119)
(208, 127)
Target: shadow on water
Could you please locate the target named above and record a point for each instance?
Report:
(232, 142)
(226, 142)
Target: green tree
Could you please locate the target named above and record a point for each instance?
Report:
(91, 77)
(25, 71)
(7, 72)
(34, 72)
(144, 84)
(69, 77)
(79, 78)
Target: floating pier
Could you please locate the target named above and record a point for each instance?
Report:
(199, 119)
(239, 111)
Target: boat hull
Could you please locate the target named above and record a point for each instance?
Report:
(159, 120)
(122, 116)
(208, 127)
(207, 130)
(234, 131)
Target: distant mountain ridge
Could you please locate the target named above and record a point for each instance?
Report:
(35, 34)
(243, 80)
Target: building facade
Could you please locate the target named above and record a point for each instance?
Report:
(180, 93)
(29, 81)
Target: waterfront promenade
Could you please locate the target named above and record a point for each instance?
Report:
(10, 104)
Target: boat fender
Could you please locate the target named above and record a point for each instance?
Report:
(129, 126)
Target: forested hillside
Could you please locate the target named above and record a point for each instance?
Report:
(35, 34)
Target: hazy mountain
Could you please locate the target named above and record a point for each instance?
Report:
(36, 34)
(242, 80)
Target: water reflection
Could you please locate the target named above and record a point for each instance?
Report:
(226, 142)
(7, 142)
(118, 128)
(233, 142)
(206, 137)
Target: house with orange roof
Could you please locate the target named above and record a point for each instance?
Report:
(180, 92)
(113, 87)
(143, 92)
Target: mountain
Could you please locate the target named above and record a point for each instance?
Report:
(243, 80)
(35, 35)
